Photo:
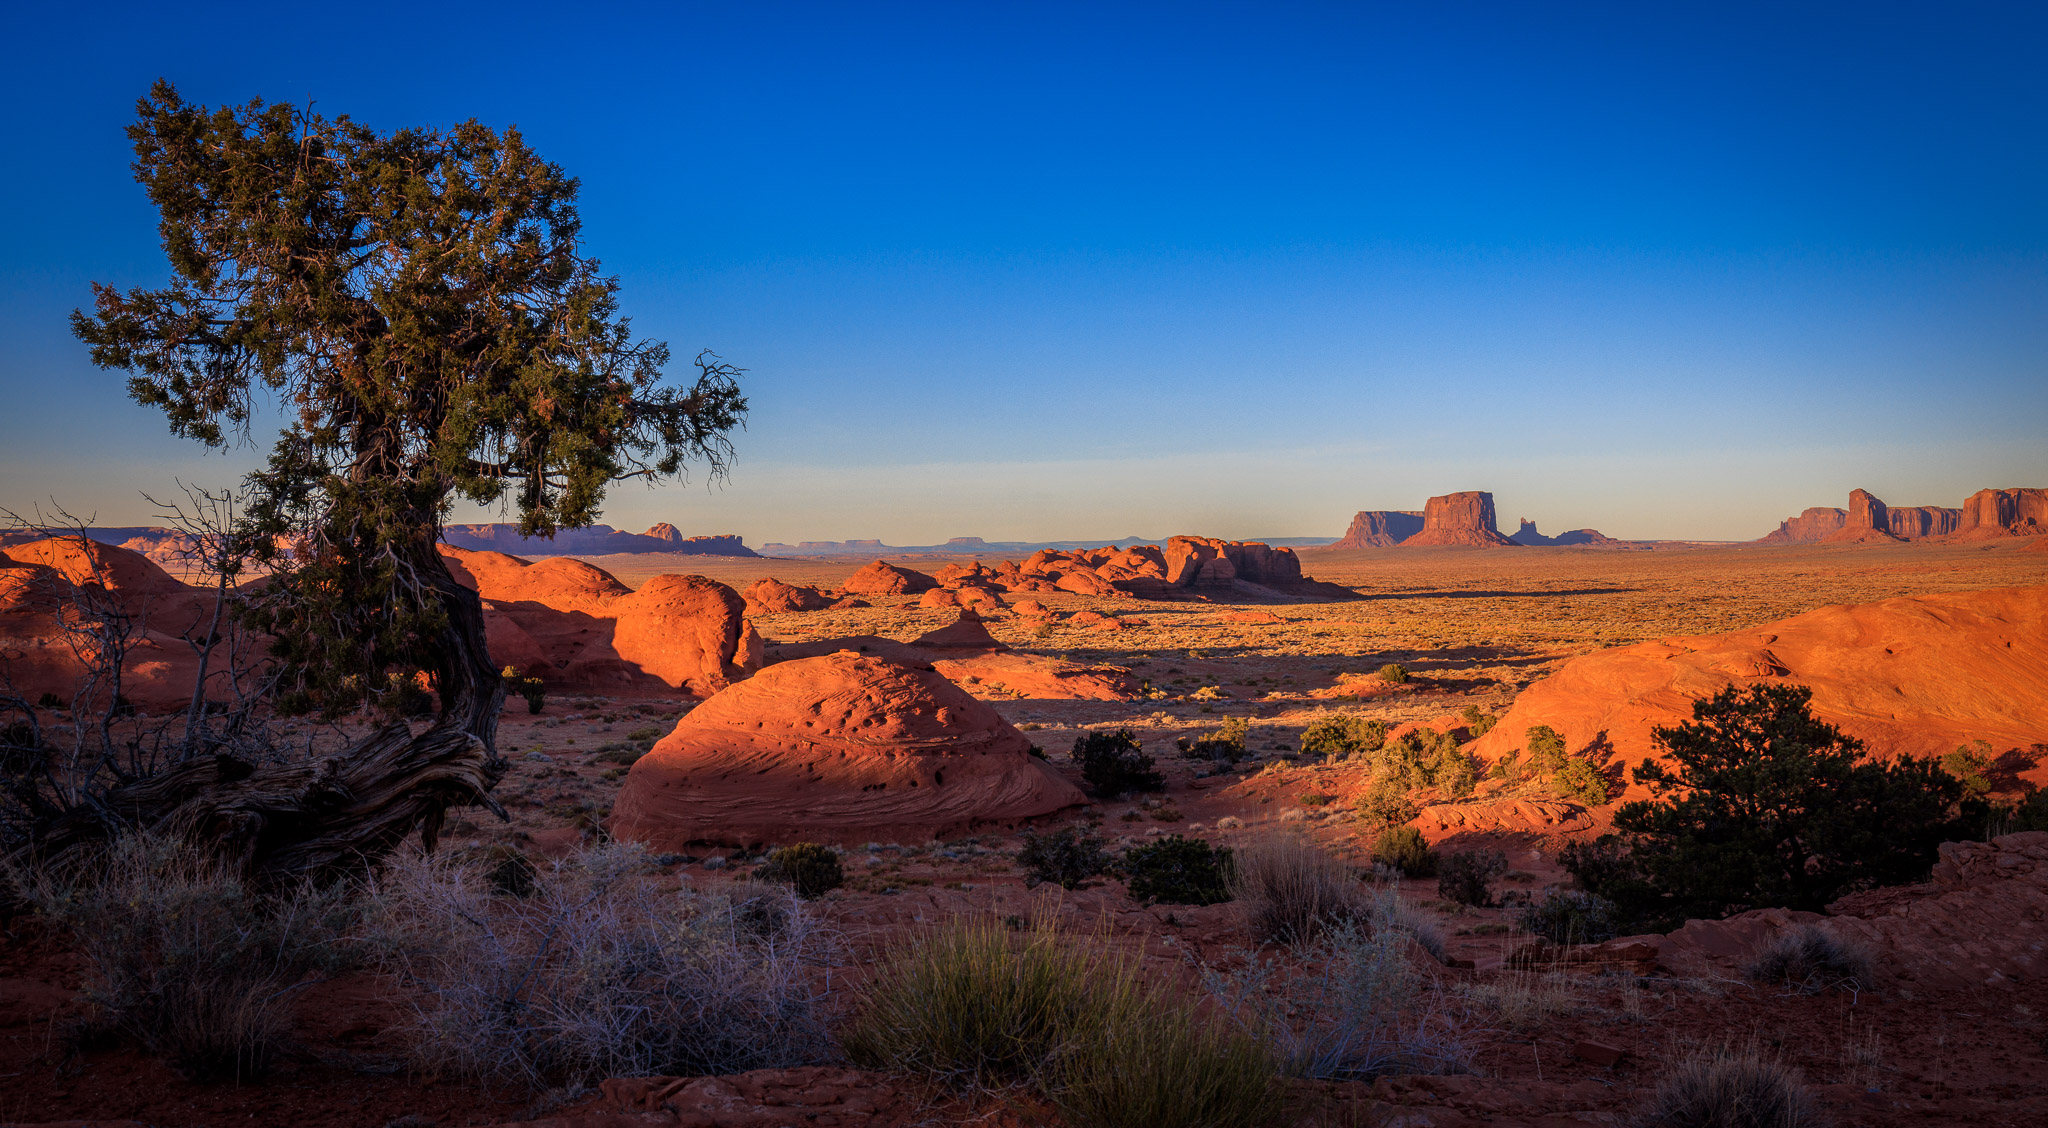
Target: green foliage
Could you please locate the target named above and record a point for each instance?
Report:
(1467, 876)
(1225, 744)
(1546, 749)
(1763, 806)
(1394, 673)
(1970, 764)
(421, 302)
(1570, 917)
(1177, 871)
(1480, 723)
(1405, 849)
(533, 689)
(1386, 803)
(975, 1006)
(1114, 763)
(49, 701)
(1067, 857)
(1339, 735)
(1580, 780)
(812, 870)
(2030, 813)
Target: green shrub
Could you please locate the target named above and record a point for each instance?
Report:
(1066, 857)
(1732, 1090)
(1546, 749)
(533, 689)
(1570, 917)
(1811, 960)
(1178, 871)
(1341, 735)
(1386, 803)
(1467, 876)
(1225, 744)
(2030, 813)
(49, 700)
(812, 870)
(1394, 673)
(1580, 779)
(1405, 849)
(1114, 763)
(1970, 764)
(1480, 723)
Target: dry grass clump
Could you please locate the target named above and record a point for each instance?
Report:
(601, 970)
(1288, 890)
(185, 958)
(1732, 1090)
(1811, 959)
(978, 1006)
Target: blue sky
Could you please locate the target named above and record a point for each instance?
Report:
(1052, 272)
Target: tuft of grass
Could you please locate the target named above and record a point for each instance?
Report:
(1394, 673)
(1810, 960)
(1732, 1090)
(1288, 890)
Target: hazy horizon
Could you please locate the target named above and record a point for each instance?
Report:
(1078, 273)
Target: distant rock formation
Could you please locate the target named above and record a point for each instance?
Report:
(1528, 537)
(1913, 522)
(1380, 528)
(1869, 522)
(1815, 524)
(1460, 519)
(1990, 514)
(1987, 515)
(880, 578)
(597, 540)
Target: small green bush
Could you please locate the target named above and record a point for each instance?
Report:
(1178, 871)
(1225, 744)
(1570, 917)
(1394, 673)
(1066, 857)
(1386, 803)
(1341, 734)
(1405, 849)
(50, 701)
(1970, 764)
(1467, 877)
(812, 870)
(1580, 779)
(533, 689)
(1114, 763)
(1546, 749)
(1480, 723)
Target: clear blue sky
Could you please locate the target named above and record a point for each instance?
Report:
(1043, 272)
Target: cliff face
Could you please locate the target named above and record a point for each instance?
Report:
(1913, 522)
(1460, 519)
(1869, 521)
(1813, 525)
(1990, 514)
(1380, 528)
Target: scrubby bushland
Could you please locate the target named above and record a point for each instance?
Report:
(1405, 849)
(1289, 890)
(1178, 871)
(1732, 1089)
(1338, 735)
(1114, 763)
(1425, 757)
(977, 1006)
(1225, 744)
(605, 970)
(1354, 1007)
(1569, 916)
(185, 958)
(1762, 805)
(1467, 876)
(1066, 857)
(1810, 960)
(810, 869)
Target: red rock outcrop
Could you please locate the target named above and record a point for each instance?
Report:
(964, 633)
(838, 748)
(1460, 520)
(1918, 522)
(1380, 528)
(938, 597)
(1991, 514)
(689, 632)
(39, 583)
(1208, 562)
(884, 578)
(1869, 522)
(1813, 525)
(769, 595)
(1918, 674)
(1528, 537)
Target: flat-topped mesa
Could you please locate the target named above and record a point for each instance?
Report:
(1815, 524)
(1460, 519)
(1380, 528)
(1991, 514)
(1528, 537)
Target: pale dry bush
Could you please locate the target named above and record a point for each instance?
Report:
(605, 970)
(1288, 890)
(1729, 1088)
(1810, 959)
(1522, 999)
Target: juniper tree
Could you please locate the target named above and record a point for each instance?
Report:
(420, 304)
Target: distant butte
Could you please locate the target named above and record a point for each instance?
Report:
(1459, 520)
(1991, 514)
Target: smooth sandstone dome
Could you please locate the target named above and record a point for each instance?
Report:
(839, 748)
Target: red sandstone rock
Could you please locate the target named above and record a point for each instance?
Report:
(687, 631)
(1918, 674)
(1031, 609)
(964, 633)
(838, 748)
(1087, 583)
(1812, 525)
(1095, 621)
(1459, 519)
(1528, 537)
(770, 595)
(1990, 514)
(1380, 528)
(849, 603)
(40, 582)
(883, 578)
(980, 598)
(938, 597)
(1869, 522)
(1037, 677)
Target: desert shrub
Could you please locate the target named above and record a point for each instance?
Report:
(606, 970)
(1811, 960)
(1405, 849)
(810, 869)
(1467, 876)
(1341, 734)
(1225, 744)
(1114, 763)
(2030, 813)
(1394, 673)
(184, 957)
(1066, 857)
(1732, 1090)
(1288, 889)
(1508, 766)
(974, 1005)
(1178, 871)
(1546, 749)
(1352, 1007)
(1970, 764)
(618, 753)
(1386, 803)
(1479, 722)
(533, 689)
(1425, 757)
(1580, 779)
(1569, 916)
